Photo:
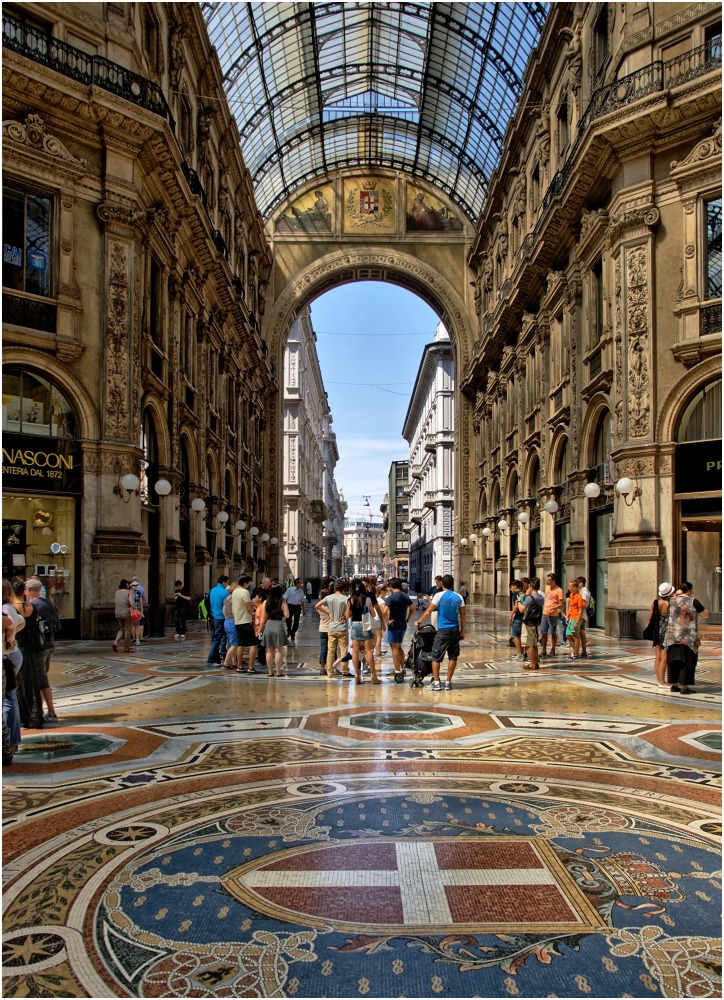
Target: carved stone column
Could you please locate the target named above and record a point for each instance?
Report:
(635, 555)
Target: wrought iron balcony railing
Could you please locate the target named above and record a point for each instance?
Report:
(35, 44)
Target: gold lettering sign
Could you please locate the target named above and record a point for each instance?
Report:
(37, 459)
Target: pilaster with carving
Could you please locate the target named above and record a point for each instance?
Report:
(117, 382)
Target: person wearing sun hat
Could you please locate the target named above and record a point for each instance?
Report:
(656, 629)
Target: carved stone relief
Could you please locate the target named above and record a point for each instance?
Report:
(637, 309)
(33, 134)
(618, 394)
(117, 338)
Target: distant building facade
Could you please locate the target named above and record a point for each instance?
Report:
(429, 430)
(310, 455)
(364, 547)
(395, 510)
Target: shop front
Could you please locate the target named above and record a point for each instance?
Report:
(42, 487)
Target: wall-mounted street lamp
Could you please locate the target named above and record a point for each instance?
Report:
(625, 488)
(126, 486)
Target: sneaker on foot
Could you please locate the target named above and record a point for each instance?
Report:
(436, 686)
(50, 718)
(448, 686)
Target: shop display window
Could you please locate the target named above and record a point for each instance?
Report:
(39, 537)
(33, 405)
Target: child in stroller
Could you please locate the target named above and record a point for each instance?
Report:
(419, 657)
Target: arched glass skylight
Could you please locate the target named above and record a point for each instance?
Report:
(427, 88)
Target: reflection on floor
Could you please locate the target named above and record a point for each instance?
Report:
(188, 831)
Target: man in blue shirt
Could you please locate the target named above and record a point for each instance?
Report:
(450, 608)
(217, 596)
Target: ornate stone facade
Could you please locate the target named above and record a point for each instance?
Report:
(610, 262)
(150, 321)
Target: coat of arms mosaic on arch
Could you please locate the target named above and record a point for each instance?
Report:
(369, 205)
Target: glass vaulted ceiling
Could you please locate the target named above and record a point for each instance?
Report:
(427, 88)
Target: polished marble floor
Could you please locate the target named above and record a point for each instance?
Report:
(188, 831)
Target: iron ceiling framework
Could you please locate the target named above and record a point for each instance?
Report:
(427, 88)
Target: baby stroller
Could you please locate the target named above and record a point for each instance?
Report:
(419, 657)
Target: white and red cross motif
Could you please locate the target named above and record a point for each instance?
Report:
(416, 885)
(369, 203)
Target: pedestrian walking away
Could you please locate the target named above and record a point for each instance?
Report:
(294, 596)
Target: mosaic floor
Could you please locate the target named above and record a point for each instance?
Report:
(190, 832)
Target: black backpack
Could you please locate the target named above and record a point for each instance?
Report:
(533, 614)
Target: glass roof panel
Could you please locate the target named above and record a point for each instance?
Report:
(425, 87)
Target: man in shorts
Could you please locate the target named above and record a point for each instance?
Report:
(551, 611)
(401, 609)
(243, 611)
(450, 610)
(529, 636)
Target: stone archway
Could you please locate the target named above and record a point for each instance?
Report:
(349, 264)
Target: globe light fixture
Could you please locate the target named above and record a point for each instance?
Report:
(624, 486)
(254, 531)
(486, 533)
(162, 487)
(198, 504)
(239, 526)
(502, 524)
(473, 537)
(222, 517)
(550, 506)
(127, 485)
(463, 542)
(274, 540)
(523, 517)
(265, 537)
(592, 490)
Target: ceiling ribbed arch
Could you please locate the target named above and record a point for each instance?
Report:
(426, 88)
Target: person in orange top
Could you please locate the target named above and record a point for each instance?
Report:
(551, 611)
(576, 608)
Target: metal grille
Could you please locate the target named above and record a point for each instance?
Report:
(31, 313)
(710, 319)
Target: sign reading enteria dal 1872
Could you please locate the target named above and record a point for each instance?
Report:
(52, 465)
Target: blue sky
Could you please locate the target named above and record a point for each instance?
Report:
(370, 337)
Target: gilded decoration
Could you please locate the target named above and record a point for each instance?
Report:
(369, 205)
(428, 214)
(117, 345)
(312, 213)
(637, 301)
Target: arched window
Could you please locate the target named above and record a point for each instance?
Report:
(534, 478)
(562, 467)
(149, 446)
(33, 405)
(702, 417)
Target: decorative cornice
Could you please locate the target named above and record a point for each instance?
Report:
(706, 155)
(640, 218)
(33, 136)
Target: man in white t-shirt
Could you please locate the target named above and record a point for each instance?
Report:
(337, 637)
(243, 611)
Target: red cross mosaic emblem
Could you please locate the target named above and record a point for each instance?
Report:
(417, 886)
(369, 202)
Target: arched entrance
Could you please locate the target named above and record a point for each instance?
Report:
(359, 264)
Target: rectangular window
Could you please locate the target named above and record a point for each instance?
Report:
(600, 43)
(26, 242)
(597, 300)
(712, 263)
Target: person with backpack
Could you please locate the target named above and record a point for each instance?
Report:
(531, 604)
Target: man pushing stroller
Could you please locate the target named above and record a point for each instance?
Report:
(450, 608)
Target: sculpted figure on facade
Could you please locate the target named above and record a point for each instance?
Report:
(203, 135)
(176, 52)
(575, 61)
